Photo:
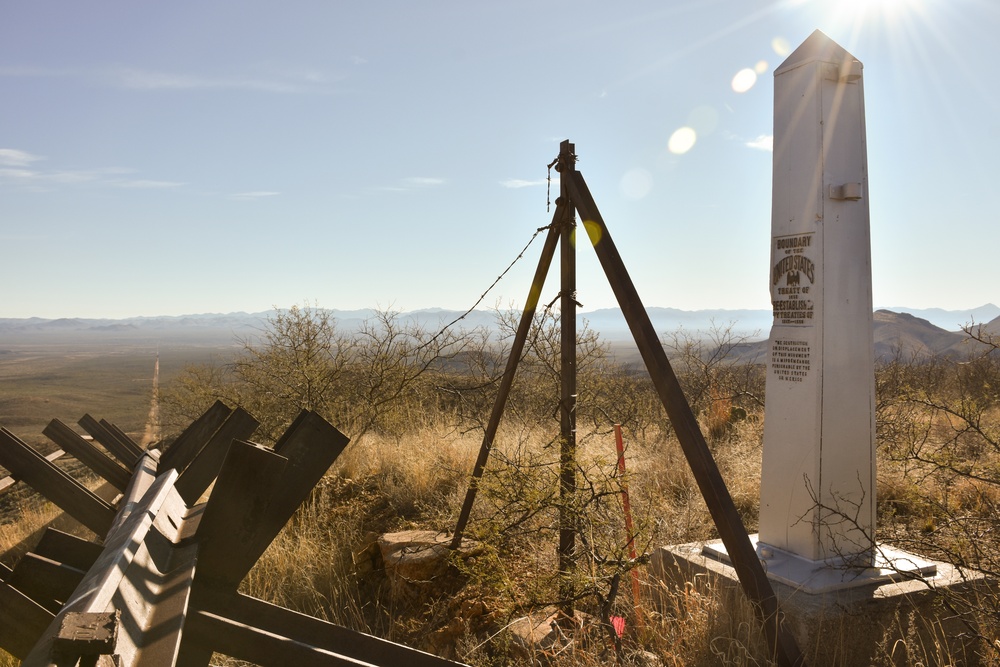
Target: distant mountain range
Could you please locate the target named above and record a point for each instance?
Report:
(913, 331)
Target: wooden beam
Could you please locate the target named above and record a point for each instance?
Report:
(69, 549)
(47, 582)
(122, 437)
(235, 513)
(71, 441)
(205, 467)
(99, 590)
(510, 371)
(713, 488)
(11, 480)
(110, 441)
(251, 644)
(22, 621)
(310, 446)
(247, 611)
(187, 445)
(47, 479)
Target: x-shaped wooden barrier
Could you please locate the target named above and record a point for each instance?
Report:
(162, 587)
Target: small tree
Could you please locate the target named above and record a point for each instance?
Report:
(361, 381)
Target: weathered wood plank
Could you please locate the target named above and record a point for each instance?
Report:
(100, 586)
(71, 441)
(187, 445)
(11, 480)
(153, 598)
(311, 445)
(47, 479)
(205, 467)
(22, 621)
(109, 441)
(266, 649)
(69, 549)
(122, 437)
(47, 582)
(235, 513)
(142, 481)
(248, 611)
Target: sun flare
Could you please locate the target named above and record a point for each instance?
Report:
(860, 10)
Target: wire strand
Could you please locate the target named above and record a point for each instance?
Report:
(461, 317)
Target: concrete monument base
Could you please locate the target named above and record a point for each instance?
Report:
(849, 614)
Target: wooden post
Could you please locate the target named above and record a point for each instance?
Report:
(69, 549)
(46, 581)
(567, 393)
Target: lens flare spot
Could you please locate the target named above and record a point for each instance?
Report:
(594, 231)
(682, 140)
(781, 46)
(533, 294)
(744, 80)
(636, 183)
(760, 67)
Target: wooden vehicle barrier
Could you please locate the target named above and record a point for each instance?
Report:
(161, 586)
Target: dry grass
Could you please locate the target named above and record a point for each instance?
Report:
(382, 485)
(321, 563)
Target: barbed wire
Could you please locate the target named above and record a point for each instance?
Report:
(461, 317)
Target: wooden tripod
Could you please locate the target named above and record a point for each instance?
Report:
(575, 196)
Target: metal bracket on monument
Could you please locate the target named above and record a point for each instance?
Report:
(847, 191)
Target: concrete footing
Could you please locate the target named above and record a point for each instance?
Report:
(851, 625)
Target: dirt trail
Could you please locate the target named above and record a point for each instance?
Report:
(152, 433)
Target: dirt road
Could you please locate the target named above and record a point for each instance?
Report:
(152, 433)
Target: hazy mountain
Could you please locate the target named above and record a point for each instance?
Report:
(907, 331)
(950, 320)
(911, 336)
(904, 334)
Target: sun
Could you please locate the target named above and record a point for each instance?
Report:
(861, 10)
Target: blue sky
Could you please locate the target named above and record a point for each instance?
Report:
(192, 157)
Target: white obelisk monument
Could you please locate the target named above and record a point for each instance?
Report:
(818, 479)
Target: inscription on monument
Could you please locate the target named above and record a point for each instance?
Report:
(793, 276)
(790, 360)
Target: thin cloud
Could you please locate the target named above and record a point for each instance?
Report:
(18, 172)
(412, 184)
(12, 157)
(137, 78)
(59, 177)
(140, 79)
(255, 194)
(423, 181)
(146, 184)
(764, 142)
(521, 183)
